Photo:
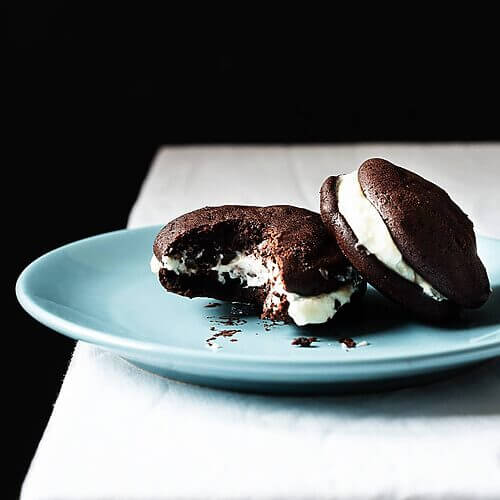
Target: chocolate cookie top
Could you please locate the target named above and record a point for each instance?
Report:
(434, 236)
(297, 240)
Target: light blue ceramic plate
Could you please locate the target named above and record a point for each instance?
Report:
(101, 290)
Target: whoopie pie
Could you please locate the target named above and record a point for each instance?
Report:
(280, 258)
(407, 237)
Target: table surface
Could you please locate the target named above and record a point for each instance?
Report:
(120, 432)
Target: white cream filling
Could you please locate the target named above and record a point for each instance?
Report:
(255, 271)
(247, 267)
(313, 309)
(372, 233)
(178, 266)
(155, 265)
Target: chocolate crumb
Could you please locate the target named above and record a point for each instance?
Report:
(230, 321)
(233, 340)
(304, 341)
(212, 328)
(213, 304)
(227, 333)
(348, 342)
(269, 323)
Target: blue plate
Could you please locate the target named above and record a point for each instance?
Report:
(100, 290)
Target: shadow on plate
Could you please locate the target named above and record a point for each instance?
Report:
(487, 315)
(374, 313)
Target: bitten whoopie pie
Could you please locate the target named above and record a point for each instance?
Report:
(407, 237)
(280, 258)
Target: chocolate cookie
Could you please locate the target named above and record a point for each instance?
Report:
(407, 237)
(280, 258)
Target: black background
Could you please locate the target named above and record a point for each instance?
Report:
(90, 95)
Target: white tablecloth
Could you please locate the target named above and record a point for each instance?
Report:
(119, 432)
